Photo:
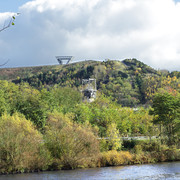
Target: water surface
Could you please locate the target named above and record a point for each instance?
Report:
(167, 171)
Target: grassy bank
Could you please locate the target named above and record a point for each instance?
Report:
(115, 158)
(104, 159)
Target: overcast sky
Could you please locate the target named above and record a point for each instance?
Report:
(148, 30)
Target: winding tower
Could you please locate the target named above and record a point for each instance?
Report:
(89, 89)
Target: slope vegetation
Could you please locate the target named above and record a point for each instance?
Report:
(129, 82)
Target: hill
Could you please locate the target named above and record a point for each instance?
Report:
(129, 82)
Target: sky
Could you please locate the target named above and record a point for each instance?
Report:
(148, 30)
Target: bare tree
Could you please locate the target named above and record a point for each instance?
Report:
(11, 22)
(4, 63)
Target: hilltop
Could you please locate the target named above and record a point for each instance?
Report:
(129, 82)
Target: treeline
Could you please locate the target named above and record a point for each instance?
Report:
(53, 129)
(130, 83)
(36, 104)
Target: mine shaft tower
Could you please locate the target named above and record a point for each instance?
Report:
(89, 89)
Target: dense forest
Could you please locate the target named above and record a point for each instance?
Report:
(44, 124)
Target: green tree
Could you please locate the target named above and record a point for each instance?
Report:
(3, 104)
(83, 113)
(66, 98)
(166, 111)
(30, 103)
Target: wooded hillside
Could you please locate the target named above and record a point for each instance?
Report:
(129, 82)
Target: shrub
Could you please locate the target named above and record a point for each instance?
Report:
(144, 157)
(151, 146)
(168, 154)
(21, 146)
(70, 144)
(173, 154)
(138, 149)
(103, 145)
(115, 158)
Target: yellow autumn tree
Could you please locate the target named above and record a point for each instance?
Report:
(21, 146)
(114, 139)
(72, 145)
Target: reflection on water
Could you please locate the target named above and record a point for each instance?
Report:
(168, 171)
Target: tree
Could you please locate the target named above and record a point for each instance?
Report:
(31, 104)
(166, 111)
(66, 98)
(114, 137)
(70, 143)
(11, 22)
(4, 63)
(21, 145)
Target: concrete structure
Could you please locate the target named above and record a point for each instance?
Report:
(64, 59)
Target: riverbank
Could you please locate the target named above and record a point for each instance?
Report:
(167, 170)
(65, 144)
(115, 158)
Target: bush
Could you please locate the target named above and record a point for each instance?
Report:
(103, 145)
(115, 158)
(70, 144)
(138, 149)
(154, 152)
(21, 146)
(168, 154)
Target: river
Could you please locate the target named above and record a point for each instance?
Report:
(167, 171)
